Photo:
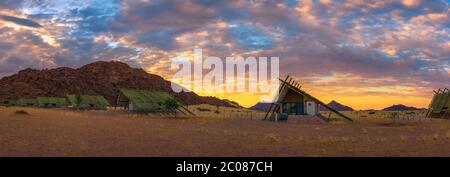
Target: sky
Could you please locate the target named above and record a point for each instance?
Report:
(366, 54)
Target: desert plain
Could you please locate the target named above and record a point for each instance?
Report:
(62, 132)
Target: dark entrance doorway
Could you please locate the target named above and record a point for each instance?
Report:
(294, 108)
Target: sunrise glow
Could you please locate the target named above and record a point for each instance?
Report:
(364, 54)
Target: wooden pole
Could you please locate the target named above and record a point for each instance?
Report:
(273, 104)
(430, 107)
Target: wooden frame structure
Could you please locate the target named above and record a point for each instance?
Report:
(296, 87)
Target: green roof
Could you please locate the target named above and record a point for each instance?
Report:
(26, 102)
(51, 102)
(8, 102)
(145, 100)
(440, 102)
(88, 101)
(443, 104)
(448, 102)
(434, 100)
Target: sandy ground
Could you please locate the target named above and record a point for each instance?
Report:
(69, 133)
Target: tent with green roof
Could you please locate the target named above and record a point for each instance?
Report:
(147, 101)
(26, 102)
(8, 102)
(51, 102)
(87, 101)
(439, 106)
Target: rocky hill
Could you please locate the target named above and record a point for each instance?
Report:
(260, 106)
(337, 106)
(99, 78)
(400, 107)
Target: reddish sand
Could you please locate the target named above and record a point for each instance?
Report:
(68, 133)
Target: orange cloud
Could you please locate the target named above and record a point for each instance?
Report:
(306, 9)
(439, 17)
(411, 3)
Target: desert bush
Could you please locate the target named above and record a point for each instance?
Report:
(364, 131)
(403, 138)
(227, 132)
(21, 112)
(435, 137)
(272, 137)
(203, 110)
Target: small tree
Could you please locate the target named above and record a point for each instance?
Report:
(77, 101)
(172, 104)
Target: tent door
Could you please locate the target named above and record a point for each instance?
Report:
(293, 108)
(311, 108)
(300, 109)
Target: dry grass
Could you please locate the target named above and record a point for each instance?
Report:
(112, 133)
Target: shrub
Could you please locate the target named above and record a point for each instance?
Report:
(21, 112)
(205, 110)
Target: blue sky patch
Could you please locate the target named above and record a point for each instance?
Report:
(251, 37)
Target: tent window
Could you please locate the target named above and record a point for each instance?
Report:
(290, 108)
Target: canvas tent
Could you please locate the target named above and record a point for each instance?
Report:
(8, 102)
(439, 106)
(87, 102)
(292, 100)
(51, 102)
(146, 101)
(26, 102)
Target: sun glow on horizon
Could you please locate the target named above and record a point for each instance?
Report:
(357, 98)
(363, 102)
(363, 54)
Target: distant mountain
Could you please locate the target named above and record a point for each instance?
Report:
(98, 78)
(368, 110)
(337, 106)
(260, 106)
(400, 107)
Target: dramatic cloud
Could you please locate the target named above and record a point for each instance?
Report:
(20, 21)
(10, 3)
(350, 50)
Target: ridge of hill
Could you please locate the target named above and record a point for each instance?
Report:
(98, 78)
